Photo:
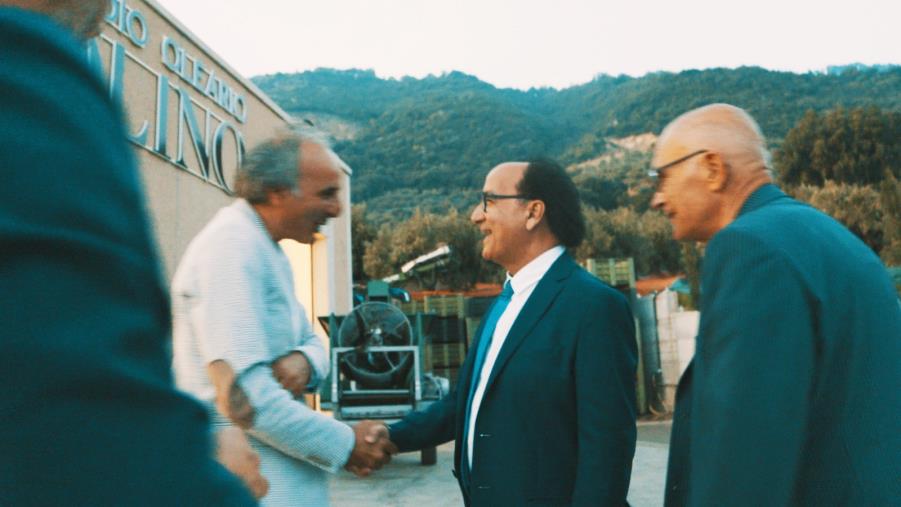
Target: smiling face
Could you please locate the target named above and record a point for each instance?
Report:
(305, 211)
(503, 221)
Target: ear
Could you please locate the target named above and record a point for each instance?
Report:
(535, 213)
(716, 172)
(276, 197)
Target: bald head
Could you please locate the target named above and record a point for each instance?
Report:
(508, 171)
(723, 129)
(714, 158)
(83, 17)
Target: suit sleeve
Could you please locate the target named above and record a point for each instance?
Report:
(753, 375)
(89, 412)
(437, 423)
(605, 373)
(430, 427)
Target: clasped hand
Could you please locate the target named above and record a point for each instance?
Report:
(372, 448)
(293, 372)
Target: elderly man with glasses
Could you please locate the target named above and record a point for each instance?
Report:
(794, 393)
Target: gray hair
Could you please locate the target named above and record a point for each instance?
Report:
(274, 165)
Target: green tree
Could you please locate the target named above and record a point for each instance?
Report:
(664, 254)
(854, 146)
(623, 232)
(395, 245)
(598, 192)
(890, 200)
(362, 233)
(377, 256)
(793, 159)
(858, 207)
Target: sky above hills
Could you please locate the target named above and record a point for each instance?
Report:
(533, 43)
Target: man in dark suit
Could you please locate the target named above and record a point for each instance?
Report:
(794, 393)
(544, 413)
(88, 412)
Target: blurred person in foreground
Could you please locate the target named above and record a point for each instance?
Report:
(88, 411)
(235, 309)
(793, 396)
(544, 412)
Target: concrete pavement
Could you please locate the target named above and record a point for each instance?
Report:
(406, 483)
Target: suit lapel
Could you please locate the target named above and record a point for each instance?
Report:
(535, 308)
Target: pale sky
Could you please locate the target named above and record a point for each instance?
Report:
(530, 43)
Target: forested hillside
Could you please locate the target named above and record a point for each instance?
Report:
(426, 144)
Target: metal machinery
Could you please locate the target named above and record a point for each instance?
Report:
(425, 268)
(376, 363)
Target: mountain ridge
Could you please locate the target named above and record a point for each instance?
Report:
(435, 137)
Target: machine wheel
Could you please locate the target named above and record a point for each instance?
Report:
(429, 456)
(376, 324)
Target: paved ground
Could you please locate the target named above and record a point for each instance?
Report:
(407, 483)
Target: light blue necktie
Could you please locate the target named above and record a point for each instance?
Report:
(484, 342)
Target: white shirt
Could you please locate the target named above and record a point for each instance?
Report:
(233, 299)
(523, 284)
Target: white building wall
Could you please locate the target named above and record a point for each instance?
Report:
(676, 331)
(138, 50)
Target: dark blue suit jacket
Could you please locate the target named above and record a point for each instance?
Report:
(794, 394)
(88, 412)
(557, 421)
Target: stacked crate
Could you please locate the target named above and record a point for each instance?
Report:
(474, 309)
(410, 308)
(619, 273)
(446, 349)
(445, 306)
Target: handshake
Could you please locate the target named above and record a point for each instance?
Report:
(372, 448)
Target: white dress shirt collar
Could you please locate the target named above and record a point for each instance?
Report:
(247, 210)
(532, 272)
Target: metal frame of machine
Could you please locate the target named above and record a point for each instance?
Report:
(356, 404)
(364, 411)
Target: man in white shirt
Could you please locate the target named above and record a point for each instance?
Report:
(242, 342)
(544, 413)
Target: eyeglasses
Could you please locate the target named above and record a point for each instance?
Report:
(655, 172)
(488, 196)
